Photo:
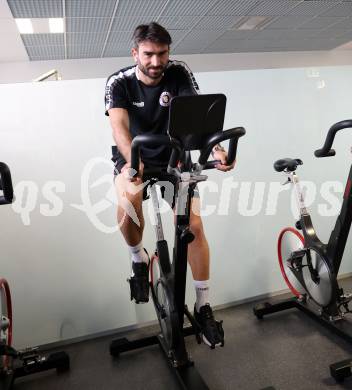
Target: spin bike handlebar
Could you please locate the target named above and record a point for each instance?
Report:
(5, 184)
(156, 140)
(326, 150)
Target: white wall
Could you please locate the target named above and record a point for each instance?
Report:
(67, 265)
(102, 67)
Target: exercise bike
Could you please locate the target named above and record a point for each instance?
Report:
(13, 363)
(310, 267)
(194, 123)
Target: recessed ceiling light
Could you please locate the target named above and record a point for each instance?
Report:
(56, 25)
(40, 25)
(24, 26)
(251, 23)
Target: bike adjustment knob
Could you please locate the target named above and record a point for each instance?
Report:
(187, 235)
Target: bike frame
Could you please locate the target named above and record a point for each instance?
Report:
(331, 316)
(175, 274)
(339, 235)
(193, 125)
(335, 247)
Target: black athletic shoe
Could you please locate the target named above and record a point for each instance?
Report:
(139, 282)
(212, 331)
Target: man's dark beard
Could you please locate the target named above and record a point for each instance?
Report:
(145, 71)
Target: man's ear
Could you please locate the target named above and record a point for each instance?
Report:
(134, 52)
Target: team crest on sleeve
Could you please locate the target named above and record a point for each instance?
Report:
(165, 99)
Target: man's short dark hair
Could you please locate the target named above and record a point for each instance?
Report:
(151, 32)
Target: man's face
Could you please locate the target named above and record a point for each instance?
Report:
(151, 58)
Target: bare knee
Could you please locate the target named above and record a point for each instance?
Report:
(196, 226)
(129, 197)
(130, 190)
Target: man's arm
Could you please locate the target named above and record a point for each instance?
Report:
(120, 125)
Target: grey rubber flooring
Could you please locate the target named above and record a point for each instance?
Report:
(288, 351)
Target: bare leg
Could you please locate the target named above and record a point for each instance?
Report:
(198, 249)
(131, 223)
(129, 211)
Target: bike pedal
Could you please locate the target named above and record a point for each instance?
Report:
(298, 255)
(28, 353)
(336, 318)
(221, 331)
(346, 297)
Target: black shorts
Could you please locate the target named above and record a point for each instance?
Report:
(168, 191)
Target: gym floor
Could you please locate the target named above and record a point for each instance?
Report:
(288, 351)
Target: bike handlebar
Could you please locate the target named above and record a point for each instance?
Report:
(232, 134)
(326, 150)
(153, 140)
(156, 140)
(5, 184)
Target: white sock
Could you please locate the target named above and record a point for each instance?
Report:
(202, 293)
(138, 254)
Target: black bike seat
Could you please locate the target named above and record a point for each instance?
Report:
(288, 164)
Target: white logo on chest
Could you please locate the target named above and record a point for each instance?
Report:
(138, 104)
(165, 99)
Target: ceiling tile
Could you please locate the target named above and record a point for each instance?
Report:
(140, 7)
(36, 8)
(286, 22)
(81, 25)
(43, 39)
(342, 9)
(120, 37)
(89, 8)
(201, 36)
(321, 22)
(232, 46)
(85, 39)
(272, 46)
(46, 58)
(238, 34)
(176, 35)
(331, 32)
(345, 24)
(84, 51)
(191, 49)
(312, 7)
(273, 7)
(230, 7)
(46, 52)
(129, 23)
(116, 51)
(186, 7)
(284, 34)
(217, 22)
(178, 22)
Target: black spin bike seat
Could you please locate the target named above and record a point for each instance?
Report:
(288, 164)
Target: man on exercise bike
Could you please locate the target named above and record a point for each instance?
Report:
(137, 101)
